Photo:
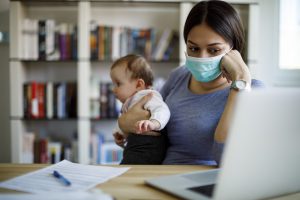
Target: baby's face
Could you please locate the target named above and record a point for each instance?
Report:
(124, 86)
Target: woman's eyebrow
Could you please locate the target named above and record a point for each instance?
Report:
(193, 43)
(216, 43)
(211, 44)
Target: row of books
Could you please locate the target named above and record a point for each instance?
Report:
(43, 150)
(47, 40)
(50, 100)
(104, 152)
(110, 43)
(103, 103)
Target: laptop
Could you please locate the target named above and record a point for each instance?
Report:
(261, 158)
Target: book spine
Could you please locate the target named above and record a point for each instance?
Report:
(49, 94)
(50, 38)
(42, 39)
(103, 100)
(41, 100)
(112, 111)
(34, 100)
(74, 39)
(43, 146)
(94, 40)
(26, 100)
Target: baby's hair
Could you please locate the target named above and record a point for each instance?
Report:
(138, 66)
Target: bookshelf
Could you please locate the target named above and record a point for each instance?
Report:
(33, 69)
(81, 69)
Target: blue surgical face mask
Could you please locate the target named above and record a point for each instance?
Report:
(204, 69)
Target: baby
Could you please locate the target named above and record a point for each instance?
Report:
(133, 79)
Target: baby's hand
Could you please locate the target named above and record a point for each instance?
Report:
(119, 139)
(146, 125)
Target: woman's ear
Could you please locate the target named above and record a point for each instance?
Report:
(140, 84)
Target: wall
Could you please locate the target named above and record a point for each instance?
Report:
(4, 87)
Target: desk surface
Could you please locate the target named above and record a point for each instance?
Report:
(129, 185)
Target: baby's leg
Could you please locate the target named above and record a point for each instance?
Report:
(144, 149)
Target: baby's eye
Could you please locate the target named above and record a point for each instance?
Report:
(116, 84)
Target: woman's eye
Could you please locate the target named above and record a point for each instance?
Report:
(214, 51)
(194, 49)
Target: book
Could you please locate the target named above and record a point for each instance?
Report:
(61, 101)
(28, 147)
(162, 44)
(71, 100)
(54, 152)
(50, 38)
(103, 100)
(42, 39)
(94, 40)
(111, 98)
(49, 101)
(27, 100)
(110, 153)
(41, 100)
(34, 112)
(40, 150)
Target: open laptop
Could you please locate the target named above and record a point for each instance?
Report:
(262, 154)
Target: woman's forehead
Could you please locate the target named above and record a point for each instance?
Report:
(204, 35)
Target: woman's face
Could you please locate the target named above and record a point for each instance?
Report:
(204, 42)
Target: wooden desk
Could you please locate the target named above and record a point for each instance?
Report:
(129, 186)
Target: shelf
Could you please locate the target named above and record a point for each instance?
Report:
(133, 14)
(64, 119)
(46, 61)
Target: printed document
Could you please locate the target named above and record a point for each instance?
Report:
(57, 196)
(82, 178)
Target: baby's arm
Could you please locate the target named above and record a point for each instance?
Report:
(147, 125)
(160, 115)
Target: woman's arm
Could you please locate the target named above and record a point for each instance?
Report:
(137, 112)
(233, 68)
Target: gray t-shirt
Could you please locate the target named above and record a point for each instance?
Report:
(193, 120)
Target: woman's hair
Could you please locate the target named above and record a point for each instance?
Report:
(138, 66)
(221, 17)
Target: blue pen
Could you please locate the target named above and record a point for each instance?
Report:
(65, 181)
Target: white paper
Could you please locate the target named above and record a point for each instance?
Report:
(57, 196)
(82, 177)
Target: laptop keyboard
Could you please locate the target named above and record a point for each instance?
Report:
(206, 190)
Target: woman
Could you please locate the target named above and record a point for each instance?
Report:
(201, 94)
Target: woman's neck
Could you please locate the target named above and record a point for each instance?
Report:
(197, 87)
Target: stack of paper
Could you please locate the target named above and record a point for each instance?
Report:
(82, 178)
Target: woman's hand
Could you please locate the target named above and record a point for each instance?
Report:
(234, 68)
(119, 139)
(127, 121)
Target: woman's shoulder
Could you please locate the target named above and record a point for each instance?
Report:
(179, 72)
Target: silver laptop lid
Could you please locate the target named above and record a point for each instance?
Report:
(262, 153)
